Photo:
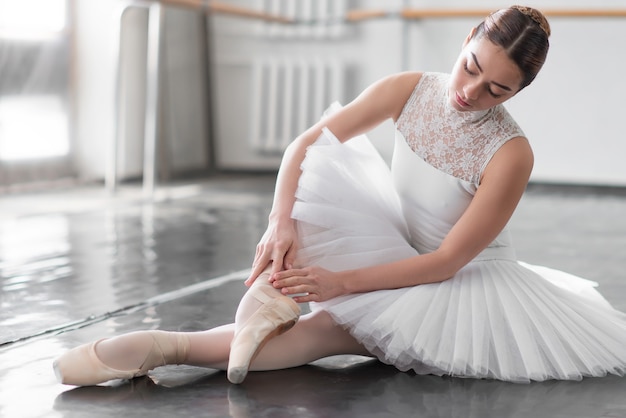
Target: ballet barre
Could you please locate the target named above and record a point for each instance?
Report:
(357, 15)
(354, 16)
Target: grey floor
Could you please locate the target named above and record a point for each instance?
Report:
(78, 265)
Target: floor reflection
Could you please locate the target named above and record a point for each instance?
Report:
(367, 389)
(66, 267)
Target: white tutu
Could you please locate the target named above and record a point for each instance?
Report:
(497, 318)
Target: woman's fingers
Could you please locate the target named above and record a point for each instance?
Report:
(277, 260)
(301, 293)
(257, 269)
(316, 283)
(304, 297)
(290, 256)
(295, 281)
(289, 274)
(276, 249)
(260, 263)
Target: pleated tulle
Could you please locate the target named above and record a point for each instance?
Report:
(496, 319)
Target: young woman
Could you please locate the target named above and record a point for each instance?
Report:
(413, 265)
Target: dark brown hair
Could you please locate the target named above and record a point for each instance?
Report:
(523, 33)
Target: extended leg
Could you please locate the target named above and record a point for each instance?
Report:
(314, 337)
(122, 357)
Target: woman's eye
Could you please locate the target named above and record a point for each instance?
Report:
(494, 95)
(467, 70)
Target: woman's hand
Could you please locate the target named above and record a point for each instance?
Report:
(277, 247)
(315, 283)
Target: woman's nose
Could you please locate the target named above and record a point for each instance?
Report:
(471, 91)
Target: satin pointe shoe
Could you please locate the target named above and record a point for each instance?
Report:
(81, 366)
(276, 315)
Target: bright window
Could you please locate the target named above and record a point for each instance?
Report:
(33, 79)
(32, 127)
(32, 19)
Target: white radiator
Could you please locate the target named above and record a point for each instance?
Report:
(318, 18)
(289, 96)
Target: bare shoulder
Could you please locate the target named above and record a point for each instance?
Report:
(401, 85)
(514, 159)
(382, 100)
(394, 90)
(518, 151)
(404, 80)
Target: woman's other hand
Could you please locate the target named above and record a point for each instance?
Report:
(277, 247)
(311, 284)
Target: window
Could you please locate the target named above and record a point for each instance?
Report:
(32, 19)
(34, 80)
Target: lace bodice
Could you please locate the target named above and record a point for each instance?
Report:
(457, 143)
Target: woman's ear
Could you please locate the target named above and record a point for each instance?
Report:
(469, 37)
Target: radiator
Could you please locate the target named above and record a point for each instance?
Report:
(289, 96)
(318, 18)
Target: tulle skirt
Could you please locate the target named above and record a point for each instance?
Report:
(499, 319)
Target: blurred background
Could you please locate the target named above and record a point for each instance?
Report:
(108, 91)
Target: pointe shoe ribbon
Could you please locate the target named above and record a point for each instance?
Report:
(277, 315)
(81, 366)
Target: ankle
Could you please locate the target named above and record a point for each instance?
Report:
(143, 349)
(174, 346)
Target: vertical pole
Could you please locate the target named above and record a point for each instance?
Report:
(306, 96)
(287, 106)
(119, 108)
(152, 121)
(257, 140)
(206, 40)
(319, 87)
(272, 106)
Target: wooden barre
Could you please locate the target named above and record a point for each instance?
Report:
(363, 15)
(227, 9)
(448, 13)
(215, 7)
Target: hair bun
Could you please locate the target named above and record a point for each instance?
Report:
(536, 16)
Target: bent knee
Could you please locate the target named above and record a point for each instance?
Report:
(319, 321)
(321, 326)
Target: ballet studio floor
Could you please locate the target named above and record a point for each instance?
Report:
(78, 265)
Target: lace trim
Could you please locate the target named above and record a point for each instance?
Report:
(458, 143)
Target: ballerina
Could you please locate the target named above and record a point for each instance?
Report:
(412, 265)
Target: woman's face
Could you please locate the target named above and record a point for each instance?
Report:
(483, 76)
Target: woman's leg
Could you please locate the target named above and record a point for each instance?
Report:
(133, 354)
(314, 336)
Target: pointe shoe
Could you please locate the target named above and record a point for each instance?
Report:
(81, 366)
(276, 315)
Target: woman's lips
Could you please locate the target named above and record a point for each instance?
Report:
(461, 102)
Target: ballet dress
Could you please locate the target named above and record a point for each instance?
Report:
(497, 317)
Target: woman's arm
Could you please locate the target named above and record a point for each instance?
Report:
(503, 183)
(382, 100)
